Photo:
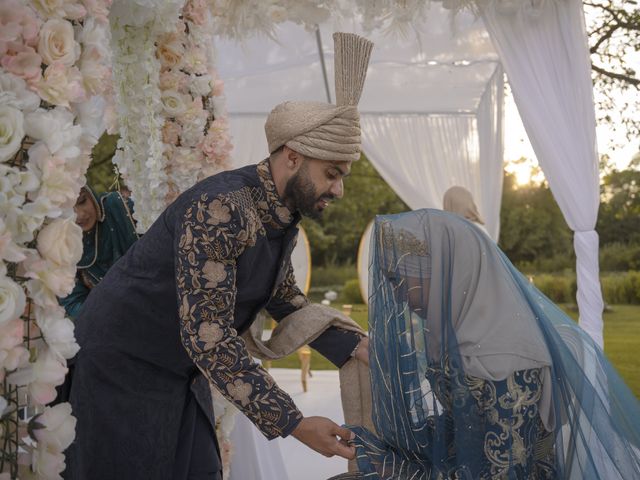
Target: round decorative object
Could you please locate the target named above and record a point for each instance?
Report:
(301, 261)
(363, 262)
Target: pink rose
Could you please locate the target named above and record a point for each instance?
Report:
(61, 85)
(196, 11)
(95, 73)
(171, 133)
(170, 49)
(216, 144)
(10, 28)
(174, 80)
(23, 61)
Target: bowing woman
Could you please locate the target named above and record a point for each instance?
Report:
(476, 374)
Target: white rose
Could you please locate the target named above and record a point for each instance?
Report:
(95, 74)
(57, 43)
(22, 223)
(61, 242)
(57, 331)
(13, 354)
(12, 298)
(25, 99)
(58, 427)
(200, 86)
(61, 85)
(91, 115)
(174, 103)
(42, 376)
(55, 128)
(192, 133)
(11, 131)
(95, 35)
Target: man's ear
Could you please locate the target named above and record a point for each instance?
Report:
(293, 159)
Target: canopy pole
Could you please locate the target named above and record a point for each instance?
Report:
(324, 66)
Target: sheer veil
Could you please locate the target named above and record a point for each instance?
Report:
(449, 318)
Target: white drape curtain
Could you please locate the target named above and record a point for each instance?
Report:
(545, 55)
(248, 138)
(421, 155)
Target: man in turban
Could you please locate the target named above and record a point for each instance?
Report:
(165, 322)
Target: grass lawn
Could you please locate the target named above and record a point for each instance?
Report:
(621, 342)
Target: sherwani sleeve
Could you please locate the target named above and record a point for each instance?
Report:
(210, 237)
(335, 344)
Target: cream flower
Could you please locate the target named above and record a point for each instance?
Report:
(12, 298)
(13, 354)
(24, 99)
(70, 9)
(41, 295)
(174, 103)
(210, 333)
(95, 74)
(171, 49)
(40, 463)
(9, 250)
(56, 184)
(55, 128)
(195, 61)
(61, 85)
(61, 242)
(57, 43)
(200, 85)
(214, 272)
(41, 376)
(57, 331)
(11, 131)
(55, 428)
(59, 279)
(240, 391)
(218, 213)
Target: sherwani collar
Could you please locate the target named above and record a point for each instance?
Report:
(273, 210)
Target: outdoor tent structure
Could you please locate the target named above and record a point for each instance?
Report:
(432, 106)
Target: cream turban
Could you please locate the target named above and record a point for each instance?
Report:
(322, 130)
(459, 200)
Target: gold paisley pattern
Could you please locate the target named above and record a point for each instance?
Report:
(214, 232)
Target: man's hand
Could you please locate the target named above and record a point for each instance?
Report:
(319, 434)
(362, 350)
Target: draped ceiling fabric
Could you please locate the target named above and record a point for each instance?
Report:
(432, 107)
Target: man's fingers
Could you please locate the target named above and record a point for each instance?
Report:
(345, 451)
(344, 433)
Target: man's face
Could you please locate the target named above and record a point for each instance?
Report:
(315, 184)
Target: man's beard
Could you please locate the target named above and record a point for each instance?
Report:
(303, 196)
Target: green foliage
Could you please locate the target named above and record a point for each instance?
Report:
(351, 292)
(619, 257)
(617, 288)
(335, 238)
(619, 215)
(101, 174)
(531, 224)
(332, 276)
(558, 288)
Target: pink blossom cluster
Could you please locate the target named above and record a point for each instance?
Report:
(38, 43)
(195, 132)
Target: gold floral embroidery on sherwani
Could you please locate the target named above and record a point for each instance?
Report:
(214, 232)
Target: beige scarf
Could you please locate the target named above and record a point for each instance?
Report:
(302, 327)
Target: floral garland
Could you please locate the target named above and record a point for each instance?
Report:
(135, 26)
(195, 130)
(53, 68)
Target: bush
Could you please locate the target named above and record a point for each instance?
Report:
(351, 292)
(619, 257)
(558, 288)
(332, 275)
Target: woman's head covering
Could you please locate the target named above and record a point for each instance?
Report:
(451, 321)
(459, 200)
(320, 130)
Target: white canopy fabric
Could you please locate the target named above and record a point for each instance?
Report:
(420, 104)
(432, 107)
(546, 57)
